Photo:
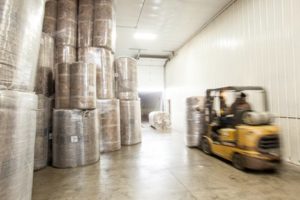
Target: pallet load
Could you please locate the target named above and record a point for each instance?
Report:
(195, 117)
(96, 42)
(75, 130)
(130, 106)
(75, 138)
(160, 121)
(19, 51)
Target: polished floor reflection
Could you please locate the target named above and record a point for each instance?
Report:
(162, 168)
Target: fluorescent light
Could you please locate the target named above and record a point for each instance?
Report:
(145, 36)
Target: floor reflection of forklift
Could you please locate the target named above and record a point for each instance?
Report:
(246, 136)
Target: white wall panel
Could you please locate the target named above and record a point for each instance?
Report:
(254, 42)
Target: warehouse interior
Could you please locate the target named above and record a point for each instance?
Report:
(149, 99)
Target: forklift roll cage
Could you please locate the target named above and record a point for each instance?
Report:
(209, 99)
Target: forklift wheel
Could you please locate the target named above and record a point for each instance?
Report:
(238, 161)
(206, 146)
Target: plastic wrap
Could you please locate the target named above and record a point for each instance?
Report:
(104, 34)
(66, 34)
(62, 86)
(130, 112)
(65, 54)
(49, 25)
(109, 124)
(17, 133)
(42, 133)
(160, 121)
(195, 117)
(83, 86)
(44, 79)
(20, 28)
(103, 58)
(126, 81)
(85, 23)
(75, 138)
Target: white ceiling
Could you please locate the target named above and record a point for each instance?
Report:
(173, 21)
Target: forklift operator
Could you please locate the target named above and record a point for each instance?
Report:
(239, 107)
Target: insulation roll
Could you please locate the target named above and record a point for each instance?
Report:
(20, 42)
(104, 25)
(85, 23)
(194, 120)
(17, 133)
(66, 34)
(49, 25)
(109, 124)
(67, 9)
(130, 112)
(46, 54)
(104, 10)
(85, 33)
(160, 121)
(65, 54)
(62, 86)
(44, 81)
(83, 86)
(104, 34)
(126, 81)
(44, 78)
(75, 138)
(42, 132)
(103, 58)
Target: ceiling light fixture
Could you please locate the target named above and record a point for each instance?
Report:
(145, 36)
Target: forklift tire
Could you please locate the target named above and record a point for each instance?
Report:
(238, 161)
(206, 146)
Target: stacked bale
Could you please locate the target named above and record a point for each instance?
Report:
(96, 41)
(42, 132)
(126, 83)
(85, 23)
(19, 44)
(195, 117)
(66, 32)
(49, 25)
(160, 121)
(109, 124)
(104, 33)
(75, 138)
(17, 133)
(75, 86)
(19, 51)
(75, 133)
(103, 58)
(130, 122)
(83, 86)
(62, 86)
(130, 106)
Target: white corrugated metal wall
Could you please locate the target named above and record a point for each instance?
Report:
(254, 42)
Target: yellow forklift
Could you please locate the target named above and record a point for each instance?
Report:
(242, 133)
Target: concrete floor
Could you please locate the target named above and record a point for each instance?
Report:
(162, 168)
